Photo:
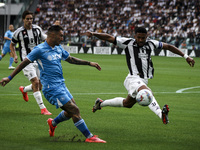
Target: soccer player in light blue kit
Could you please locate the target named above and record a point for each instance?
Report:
(6, 48)
(48, 56)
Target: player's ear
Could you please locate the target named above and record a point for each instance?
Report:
(135, 36)
(147, 35)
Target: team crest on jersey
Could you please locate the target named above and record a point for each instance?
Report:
(144, 52)
(49, 57)
(145, 48)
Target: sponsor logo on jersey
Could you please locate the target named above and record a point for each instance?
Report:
(142, 55)
(54, 57)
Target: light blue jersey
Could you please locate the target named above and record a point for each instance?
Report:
(8, 34)
(51, 74)
(49, 61)
(6, 47)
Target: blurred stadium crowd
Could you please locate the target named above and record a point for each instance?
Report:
(171, 21)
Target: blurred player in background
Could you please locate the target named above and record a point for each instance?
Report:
(28, 36)
(6, 48)
(138, 57)
(57, 22)
(49, 55)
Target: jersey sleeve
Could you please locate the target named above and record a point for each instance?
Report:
(122, 42)
(34, 54)
(14, 37)
(65, 54)
(157, 44)
(6, 34)
(43, 35)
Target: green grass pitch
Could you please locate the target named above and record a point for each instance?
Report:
(23, 128)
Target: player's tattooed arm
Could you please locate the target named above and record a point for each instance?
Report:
(77, 61)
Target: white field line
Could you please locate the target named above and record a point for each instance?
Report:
(181, 90)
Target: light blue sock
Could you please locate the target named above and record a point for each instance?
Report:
(83, 128)
(0, 57)
(11, 61)
(60, 118)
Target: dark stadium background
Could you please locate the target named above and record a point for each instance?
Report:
(170, 21)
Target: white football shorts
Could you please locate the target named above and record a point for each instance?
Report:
(133, 83)
(31, 71)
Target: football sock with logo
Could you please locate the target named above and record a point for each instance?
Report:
(60, 118)
(0, 57)
(115, 102)
(38, 97)
(83, 128)
(11, 61)
(28, 88)
(154, 106)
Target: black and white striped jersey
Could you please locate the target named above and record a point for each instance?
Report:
(28, 39)
(139, 58)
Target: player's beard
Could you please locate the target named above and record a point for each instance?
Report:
(58, 43)
(140, 44)
(28, 25)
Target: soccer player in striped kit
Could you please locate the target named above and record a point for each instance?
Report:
(138, 57)
(28, 36)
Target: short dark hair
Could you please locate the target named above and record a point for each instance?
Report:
(54, 28)
(25, 13)
(140, 30)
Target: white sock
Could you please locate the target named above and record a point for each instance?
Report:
(115, 102)
(28, 88)
(154, 106)
(38, 98)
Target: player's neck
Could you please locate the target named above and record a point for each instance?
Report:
(51, 44)
(28, 27)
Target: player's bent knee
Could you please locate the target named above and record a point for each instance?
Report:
(35, 82)
(74, 111)
(129, 102)
(129, 105)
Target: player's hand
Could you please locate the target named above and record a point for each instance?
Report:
(96, 65)
(190, 61)
(4, 81)
(15, 59)
(88, 34)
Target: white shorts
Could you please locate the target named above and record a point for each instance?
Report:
(31, 71)
(133, 83)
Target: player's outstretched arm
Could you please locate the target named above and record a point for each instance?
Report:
(21, 66)
(175, 50)
(77, 61)
(101, 36)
